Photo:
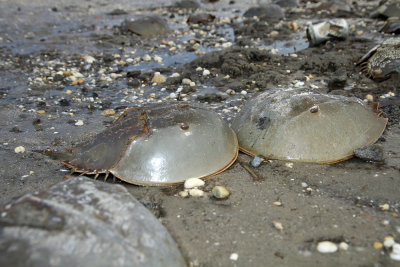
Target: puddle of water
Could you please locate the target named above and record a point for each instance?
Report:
(288, 47)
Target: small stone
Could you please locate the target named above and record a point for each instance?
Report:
(278, 225)
(193, 183)
(243, 92)
(277, 203)
(206, 72)
(384, 206)
(107, 112)
(186, 81)
(175, 75)
(226, 45)
(343, 246)
(274, 34)
(41, 111)
(220, 192)
(327, 247)
(89, 59)
(79, 123)
(157, 59)
(369, 98)
(289, 165)
(146, 58)
(395, 255)
(159, 78)
(370, 153)
(378, 245)
(234, 257)
(199, 69)
(388, 242)
(256, 161)
(196, 192)
(19, 149)
(183, 193)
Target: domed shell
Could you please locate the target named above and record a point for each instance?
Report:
(160, 145)
(304, 126)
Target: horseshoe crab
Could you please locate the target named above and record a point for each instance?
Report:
(290, 124)
(147, 26)
(159, 145)
(383, 60)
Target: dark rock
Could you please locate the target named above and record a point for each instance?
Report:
(370, 153)
(82, 222)
(287, 3)
(117, 12)
(64, 102)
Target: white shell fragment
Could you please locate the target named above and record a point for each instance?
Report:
(297, 125)
(395, 254)
(327, 247)
(193, 182)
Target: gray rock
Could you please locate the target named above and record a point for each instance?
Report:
(82, 222)
(370, 153)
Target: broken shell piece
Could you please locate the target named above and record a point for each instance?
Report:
(278, 225)
(278, 124)
(321, 32)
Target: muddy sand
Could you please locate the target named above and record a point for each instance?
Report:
(68, 68)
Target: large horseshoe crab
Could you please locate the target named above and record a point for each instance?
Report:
(383, 60)
(159, 145)
(290, 124)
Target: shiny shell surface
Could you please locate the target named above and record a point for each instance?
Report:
(148, 26)
(383, 60)
(159, 145)
(295, 125)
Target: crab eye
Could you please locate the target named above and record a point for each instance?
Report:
(185, 126)
(314, 109)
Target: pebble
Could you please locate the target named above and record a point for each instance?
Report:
(193, 183)
(19, 149)
(277, 203)
(369, 97)
(158, 78)
(370, 153)
(243, 92)
(343, 246)
(206, 72)
(256, 161)
(226, 45)
(183, 193)
(186, 81)
(327, 247)
(289, 165)
(388, 242)
(79, 123)
(384, 206)
(89, 59)
(196, 192)
(395, 255)
(146, 57)
(220, 192)
(278, 225)
(377, 245)
(234, 257)
(274, 34)
(157, 59)
(108, 112)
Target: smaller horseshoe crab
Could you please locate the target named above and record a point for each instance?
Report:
(295, 125)
(147, 26)
(383, 60)
(159, 145)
